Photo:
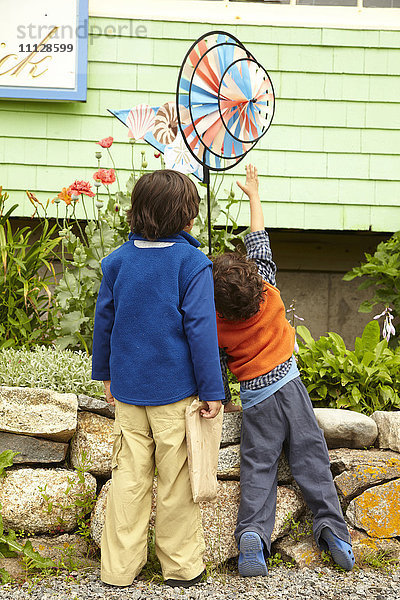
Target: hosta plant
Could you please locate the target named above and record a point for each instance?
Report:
(365, 379)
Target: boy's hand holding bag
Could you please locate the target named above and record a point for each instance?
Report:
(203, 438)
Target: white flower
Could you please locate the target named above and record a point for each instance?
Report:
(388, 329)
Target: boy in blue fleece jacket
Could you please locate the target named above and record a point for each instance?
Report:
(155, 347)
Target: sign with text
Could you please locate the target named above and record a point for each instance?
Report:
(43, 49)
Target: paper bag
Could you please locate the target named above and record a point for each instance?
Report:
(203, 438)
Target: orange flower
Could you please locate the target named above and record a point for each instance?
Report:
(65, 196)
(105, 176)
(106, 142)
(33, 199)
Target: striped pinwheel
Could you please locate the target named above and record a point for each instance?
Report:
(230, 99)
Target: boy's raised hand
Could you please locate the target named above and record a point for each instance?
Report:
(250, 188)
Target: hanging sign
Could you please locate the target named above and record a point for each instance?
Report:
(43, 49)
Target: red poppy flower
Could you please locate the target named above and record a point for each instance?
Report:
(106, 142)
(157, 154)
(81, 187)
(106, 176)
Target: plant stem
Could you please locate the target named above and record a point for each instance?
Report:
(133, 163)
(113, 163)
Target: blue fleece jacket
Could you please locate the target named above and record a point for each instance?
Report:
(155, 329)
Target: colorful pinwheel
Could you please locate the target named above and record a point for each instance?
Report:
(230, 99)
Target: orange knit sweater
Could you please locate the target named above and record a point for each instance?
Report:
(261, 343)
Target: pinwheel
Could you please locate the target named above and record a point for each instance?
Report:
(230, 99)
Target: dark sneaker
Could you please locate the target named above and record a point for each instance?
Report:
(185, 583)
(251, 557)
(342, 552)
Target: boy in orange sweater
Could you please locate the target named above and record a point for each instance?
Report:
(256, 343)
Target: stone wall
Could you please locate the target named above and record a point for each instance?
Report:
(58, 436)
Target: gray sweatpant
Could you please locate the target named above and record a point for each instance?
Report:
(285, 419)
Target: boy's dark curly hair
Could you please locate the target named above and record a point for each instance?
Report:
(238, 287)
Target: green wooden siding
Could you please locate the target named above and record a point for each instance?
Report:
(331, 159)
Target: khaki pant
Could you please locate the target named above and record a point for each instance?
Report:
(145, 437)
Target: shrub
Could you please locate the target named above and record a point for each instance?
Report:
(46, 367)
(381, 270)
(26, 272)
(363, 380)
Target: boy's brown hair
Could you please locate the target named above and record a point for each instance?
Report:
(238, 287)
(162, 204)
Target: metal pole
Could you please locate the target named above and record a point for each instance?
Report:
(207, 181)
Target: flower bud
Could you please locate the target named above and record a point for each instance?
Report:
(98, 154)
(97, 183)
(99, 204)
(144, 164)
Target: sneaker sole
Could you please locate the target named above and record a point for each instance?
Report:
(341, 551)
(251, 559)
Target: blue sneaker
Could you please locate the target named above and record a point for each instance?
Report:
(251, 557)
(342, 552)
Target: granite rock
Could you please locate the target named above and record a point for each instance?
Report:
(96, 405)
(231, 427)
(43, 500)
(38, 412)
(33, 450)
(361, 469)
(304, 553)
(346, 428)
(388, 429)
(366, 548)
(93, 443)
(98, 514)
(376, 511)
(229, 462)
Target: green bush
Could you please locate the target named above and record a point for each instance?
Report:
(46, 367)
(363, 380)
(26, 272)
(381, 270)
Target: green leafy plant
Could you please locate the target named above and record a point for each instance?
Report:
(26, 273)
(365, 379)
(381, 270)
(381, 560)
(65, 371)
(9, 546)
(297, 529)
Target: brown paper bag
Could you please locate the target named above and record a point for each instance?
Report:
(203, 438)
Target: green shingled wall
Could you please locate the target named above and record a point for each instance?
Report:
(331, 159)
